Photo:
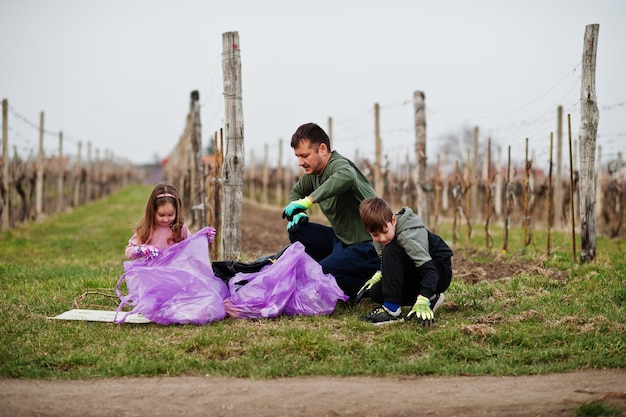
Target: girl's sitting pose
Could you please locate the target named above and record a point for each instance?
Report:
(162, 225)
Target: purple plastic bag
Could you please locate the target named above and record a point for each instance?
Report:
(294, 285)
(178, 286)
(316, 293)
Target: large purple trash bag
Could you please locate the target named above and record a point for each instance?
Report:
(262, 294)
(177, 287)
(316, 293)
(294, 285)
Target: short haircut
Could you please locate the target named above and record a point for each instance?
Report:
(375, 214)
(311, 132)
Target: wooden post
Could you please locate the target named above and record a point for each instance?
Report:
(419, 107)
(587, 137)
(61, 174)
(571, 186)
(96, 174)
(232, 173)
(378, 178)
(468, 202)
(5, 165)
(499, 182)
(526, 222)
(40, 163)
(458, 205)
(550, 199)
(77, 176)
(217, 192)
(89, 177)
(437, 194)
(445, 189)
(474, 179)
(508, 208)
(558, 189)
(198, 195)
(488, 240)
(599, 181)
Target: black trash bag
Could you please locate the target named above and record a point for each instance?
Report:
(227, 269)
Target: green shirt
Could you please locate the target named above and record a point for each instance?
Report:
(339, 190)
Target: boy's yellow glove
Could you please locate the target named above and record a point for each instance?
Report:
(368, 285)
(422, 312)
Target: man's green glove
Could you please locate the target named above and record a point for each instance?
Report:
(368, 285)
(422, 312)
(297, 221)
(295, 207)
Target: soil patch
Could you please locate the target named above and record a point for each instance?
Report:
(548, 395)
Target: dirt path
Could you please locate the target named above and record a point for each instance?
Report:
(549, 395)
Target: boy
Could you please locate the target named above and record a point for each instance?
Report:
(415, 264)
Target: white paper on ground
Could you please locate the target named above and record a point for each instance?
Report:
(99, 315)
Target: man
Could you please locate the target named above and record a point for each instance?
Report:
(345, 248)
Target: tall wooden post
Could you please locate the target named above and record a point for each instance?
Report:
(77, 175)
(61, 174)
(232, 172)
(419, 107)
(96, 175)
(526, 221)
(499, 182)
(550, 200)
(5, 164)
(215, 248)
(378, 178)
(599, 180)
(571, 186)
(437, 194)
(445, 189)
(474, 178)
(197, 173)
(558, 179)
(458, 204)
(587, 137)
(468, 201)
(508, 208)
(488, 196)
(39, 183)
(89, 177)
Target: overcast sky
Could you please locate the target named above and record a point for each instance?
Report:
(119, 73)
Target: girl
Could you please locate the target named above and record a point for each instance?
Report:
(161, 227)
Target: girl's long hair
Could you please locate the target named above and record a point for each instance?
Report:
(162, 193)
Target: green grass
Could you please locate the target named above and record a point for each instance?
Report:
(598, 409)
(528, 324)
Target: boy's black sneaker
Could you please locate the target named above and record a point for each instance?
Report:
(436, 301)
(382, 315)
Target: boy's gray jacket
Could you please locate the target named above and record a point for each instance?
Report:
(412, 235)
